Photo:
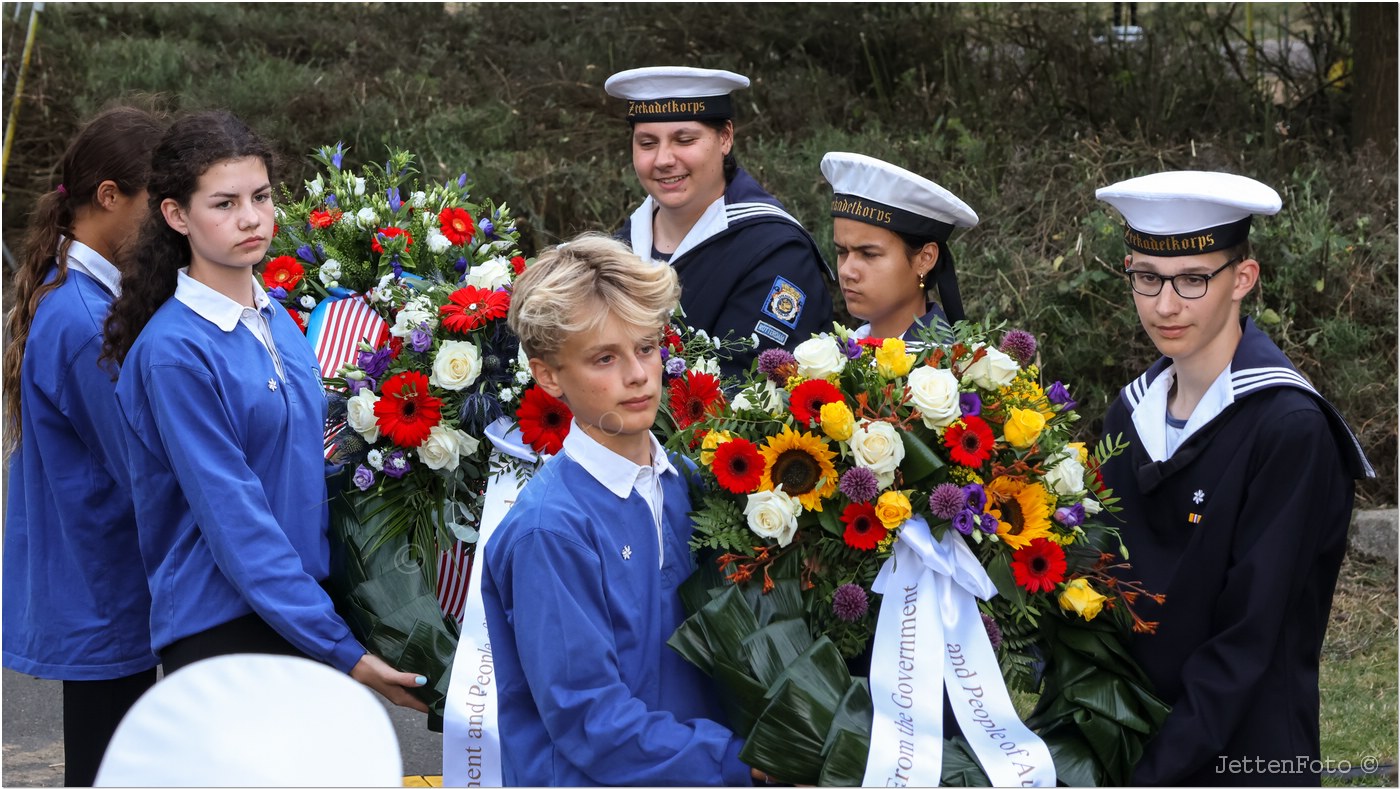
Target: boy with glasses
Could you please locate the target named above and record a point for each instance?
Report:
(1236, 493)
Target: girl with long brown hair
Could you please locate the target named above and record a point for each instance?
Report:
(76, 605)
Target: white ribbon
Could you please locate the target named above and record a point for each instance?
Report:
(930, 633)
(471, 742)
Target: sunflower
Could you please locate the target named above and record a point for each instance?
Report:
(801, 463)
(738, 465)
(1022, 508)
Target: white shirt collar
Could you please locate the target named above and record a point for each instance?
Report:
(212, 305)
(84, 258)
(1150, 416)
(713, 221)
(613, 471)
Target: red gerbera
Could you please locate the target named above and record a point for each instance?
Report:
(324, 219)
(871, 342)
(1038, 567)
(472, 307)
(283, 272)
(694, 395)
(864, 530)
(457, 225)
(390, 232)
(299, 317)
(405, 411)
(808, 398)
(738, 465)
(517, 265)
(544, 420)
(672, 340)
(971, 441)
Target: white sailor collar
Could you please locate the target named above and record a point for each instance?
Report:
(214, 306)
(1150, 413)
(718, 218)
(611, 470)
(89, 261)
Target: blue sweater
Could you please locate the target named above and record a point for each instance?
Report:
(229, 481)
(76, 605)
(579, 608)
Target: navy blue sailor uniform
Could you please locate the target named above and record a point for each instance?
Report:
(747, 267)
(1243, 529)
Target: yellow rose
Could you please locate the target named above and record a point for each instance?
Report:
(1081, 598)
(712, 439)
(837, 421)
(1023, 426)
(892, 508)
(891, 359)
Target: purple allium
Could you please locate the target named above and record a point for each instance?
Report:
(1070, 516)
(364, 477)
(976, 497)
(989, 524)
(419, 340)
(395, 199)
(849, 602)
(947, 500)
(993, 630)
(777, 364)
(395, 464)
(330, 201)
(305, 253)
(1059, 395)
(860, 485)
(278, 293)
(964, 521)
(851, 347)
(970, 403)
(675, 366)
(374, 363)
(488, 228)
(1019, 345)
(354, 386)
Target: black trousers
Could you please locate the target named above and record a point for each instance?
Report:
(91, 711)
(242, 635)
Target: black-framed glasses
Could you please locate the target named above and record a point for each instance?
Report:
(1187, 286)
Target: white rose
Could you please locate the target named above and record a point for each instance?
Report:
(314, 188)
(366, 218)
(437, 242)
(819, 357)
(877, 446)
(444, 447)
(359, 413)
(330, 273)
(416, 311)
(457, 365)
(359, 187)
(934, 391)
(308, 302)
(1092, 506)
(375, 459)
(993, 370)
(1066, 477)
(773, 514)
(491, 275)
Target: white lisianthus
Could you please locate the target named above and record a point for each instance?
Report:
(934, 391)
(437, 242)
(708, 364)
(878, 447)
(349, 219)
(359, 186)
(444, 447)
(419, 199)
(330, 273)
(359, 413)
(375, 459)
(993, 370)
(366, 218)
(1092, 506)
(491, 275)
(765, 396)
(381, 293)
(316, 187)
(308, 302)
(457, 366)
(773, 514)
(1066, 477)
(416, 311)
(819, 357)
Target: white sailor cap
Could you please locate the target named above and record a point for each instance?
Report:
(1188, 212)
(675, 93)
(881, 194)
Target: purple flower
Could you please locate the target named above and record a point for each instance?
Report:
(374, 363)
(488, 228)
(1019, 345)
(849, 602)
(965, 521)
(354, 386)
(339, 155)
(419, 339)
(859, 484)
(675, 366)
(279, 293)
(1070, 516)
(970, 403)
(330, 201)
(989, 524)
(364, 477)
(304, 252)
(395, 464)
(396, 266)
(395, 201)
(993, 630)
(461, 265)
(772, 361)
(851, 347)
(947, 500)
(462, 181)
(1059, 395)
(976, 497)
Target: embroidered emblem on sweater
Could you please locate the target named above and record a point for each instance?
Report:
(784, 302)
(1198, 497)
(271, 385)
(626, 552)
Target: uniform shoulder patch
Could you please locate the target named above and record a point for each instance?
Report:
(784, 303)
